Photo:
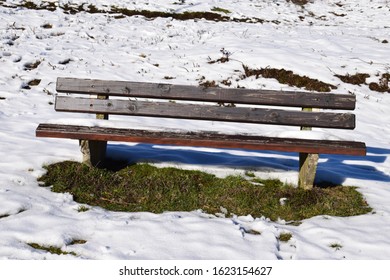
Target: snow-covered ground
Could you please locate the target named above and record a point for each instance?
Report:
(319, 40)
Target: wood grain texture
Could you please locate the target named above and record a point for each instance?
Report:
(202, 139)
(207, 94)
(206, 112)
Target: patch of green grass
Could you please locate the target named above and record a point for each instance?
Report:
(250, 174)
(285, 237)
(220, 10)
(82, 208)
(143, 187)
(50, 249)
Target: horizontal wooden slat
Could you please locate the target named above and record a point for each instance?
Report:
(205, 112)
(209, 94)
(202, 139)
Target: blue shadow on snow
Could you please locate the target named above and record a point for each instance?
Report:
(331, 168)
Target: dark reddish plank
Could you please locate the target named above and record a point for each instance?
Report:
(202, 139)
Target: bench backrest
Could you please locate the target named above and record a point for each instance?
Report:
(208, 103)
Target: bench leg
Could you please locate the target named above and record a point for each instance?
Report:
(94, 152)
(307, 170)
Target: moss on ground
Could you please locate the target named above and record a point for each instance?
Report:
(143, 187)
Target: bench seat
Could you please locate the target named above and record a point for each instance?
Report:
(202, 139)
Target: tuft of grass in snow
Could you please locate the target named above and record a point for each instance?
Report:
(299, 2)
(285, 237)
(34, 82)
(220, 10)
(50, 249)
(50, 6)
(32, 65)
(47, 26)
(250, 174)
(143, 187)
(82, 208)
(6, 215)
(336, 246)
(77, 242)
(121, 12)
(290, 78)
(383, 84)
(356, 79)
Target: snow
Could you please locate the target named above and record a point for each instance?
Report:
(319, 40)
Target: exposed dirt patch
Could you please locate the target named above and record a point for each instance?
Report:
(34, 82)
(65, 61)
(299, 2)
(47, 26)
(288, 77)
(207, 83)
(31, 83)
(382, 85)
(356, 79)
(219, 60)
(120, 12)
(31, 65)
(360, 79)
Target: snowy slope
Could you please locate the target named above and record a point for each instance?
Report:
(319, 40)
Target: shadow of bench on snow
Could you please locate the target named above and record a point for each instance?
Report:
(331, 168)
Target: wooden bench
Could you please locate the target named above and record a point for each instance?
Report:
(165, 101)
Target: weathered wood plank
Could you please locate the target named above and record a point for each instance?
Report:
(202, 139)
(210, 94)
(206, 112)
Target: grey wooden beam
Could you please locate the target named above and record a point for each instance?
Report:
(208, 94)
(206, 112)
